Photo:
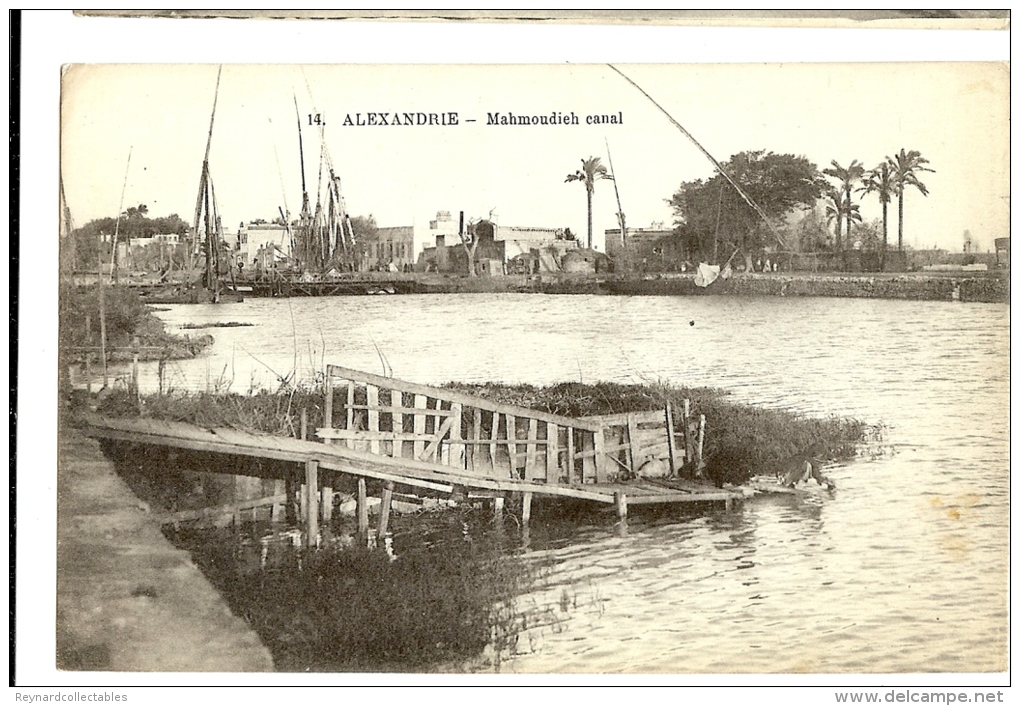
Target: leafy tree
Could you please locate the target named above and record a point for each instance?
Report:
(847, 178)
(905, 167)
(879, 181)
(591, 171)
(777, 183)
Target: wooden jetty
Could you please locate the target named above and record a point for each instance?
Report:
(415, 438)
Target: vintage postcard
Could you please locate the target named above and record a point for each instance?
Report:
(618, 368)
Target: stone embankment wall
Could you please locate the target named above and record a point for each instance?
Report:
(916, 287)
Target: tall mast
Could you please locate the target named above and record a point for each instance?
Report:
(301, 153)
(204, 179)
(619, 206)
(750, 202)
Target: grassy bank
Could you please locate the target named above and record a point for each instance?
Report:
(741, 440)
(127, 318)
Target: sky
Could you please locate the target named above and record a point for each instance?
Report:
(954, 114)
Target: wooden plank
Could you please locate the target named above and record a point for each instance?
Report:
(437, 439)
(530, 454)
(570, 455)
(279, 511)
(401, 409)
(552, 453)
(623, 418)
(304, 424)
(362, 508)
(327, 503)
(373, 416)
(384, 511)
(701, 446)
(350, 408)
(454, 396)
(587, 457)
(601, 462)
(350, 461)
(526, 509)
(620, 501)
(511, 436)
(327, 413)
(634, 446)
(472, 452)
(456, 449)
(396, 405)
(312, 500)
(420, 404)
(209, 513)
(371, 435)
(493, 445)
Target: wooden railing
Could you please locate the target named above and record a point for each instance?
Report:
(492, 440)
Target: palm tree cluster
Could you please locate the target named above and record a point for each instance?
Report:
(889, 178)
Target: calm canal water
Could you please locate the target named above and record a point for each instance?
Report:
(903, 569)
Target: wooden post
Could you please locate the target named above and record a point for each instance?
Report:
(531, 452)
(701, 445)
(685, 422)
(493, 447)
(511, 446)
(570, 455)
(552, 453)
(362, 508)
(384, 510)
(621, 504)
(312, 502)
(497, 509)
(601, 461)
(397, 401)
(134, 367)
(327, 503)
(279, 511)
(304, 424)
(526, 509)
(420, 403)
(633, 452)
(670, 439)
(372, 397)
(474, 451)
(350, 412)
(327, 408)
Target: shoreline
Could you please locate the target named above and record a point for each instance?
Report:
(968, 287)
(127, 599)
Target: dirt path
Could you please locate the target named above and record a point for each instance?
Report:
(127, 600)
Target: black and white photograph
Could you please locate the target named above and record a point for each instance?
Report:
(484, 368)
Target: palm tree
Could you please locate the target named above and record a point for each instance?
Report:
(905, 167)
(880, 181)
(847, 178)
(591, 171)
(834, 209)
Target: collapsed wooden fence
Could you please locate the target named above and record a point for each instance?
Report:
(402, 419)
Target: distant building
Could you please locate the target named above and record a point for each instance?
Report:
(500, 250)
(394, 245)
(257, 239)
(1002, 252)
(654, 248)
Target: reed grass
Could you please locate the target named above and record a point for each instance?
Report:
(741, 440)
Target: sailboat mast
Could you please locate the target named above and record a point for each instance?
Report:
(619, 206)
(204, 178)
